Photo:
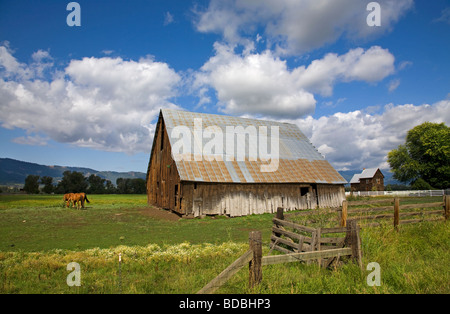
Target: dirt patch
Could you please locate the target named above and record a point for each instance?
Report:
(157, 213)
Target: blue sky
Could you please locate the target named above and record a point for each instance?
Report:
(90, 95)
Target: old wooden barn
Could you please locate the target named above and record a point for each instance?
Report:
(204, 164)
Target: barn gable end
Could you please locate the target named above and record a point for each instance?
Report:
(163, 180)
(209, 186)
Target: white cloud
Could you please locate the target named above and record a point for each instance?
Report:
(168, 19)
(107, 52)
(371, 65)
(294, 27)
(103, 103)
(254, 84)
(356, 140)
(35, 140)
(261, 84)
(393, 84)
(445, 16)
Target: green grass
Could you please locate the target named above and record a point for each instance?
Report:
(41, 223)
(39, 238)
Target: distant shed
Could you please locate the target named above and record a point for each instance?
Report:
(371, 179)
(196, 181)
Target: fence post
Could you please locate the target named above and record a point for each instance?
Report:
(344, 214)
(280, 214)
(446, 206)
(255, 265)
(318, 236)
(396, 212)
(353, 239)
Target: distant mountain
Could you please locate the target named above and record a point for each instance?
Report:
(13, 172)
(388, 176)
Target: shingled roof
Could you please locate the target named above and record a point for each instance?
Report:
(299, 161)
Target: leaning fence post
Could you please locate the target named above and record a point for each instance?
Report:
(396, 212)
(344, 214)
(255, 265)
(355, 241)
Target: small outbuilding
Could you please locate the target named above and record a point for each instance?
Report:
(207, 164)
(369, 180)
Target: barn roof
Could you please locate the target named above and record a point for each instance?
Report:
(299, 161)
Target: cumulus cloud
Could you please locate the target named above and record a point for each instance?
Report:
(103, 103)
(357, 139)
(294, 27)
(261, 84)
(254, 84)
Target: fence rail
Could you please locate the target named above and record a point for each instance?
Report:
(299, 247)
(382, 212)
(303, 243)
(420, 193)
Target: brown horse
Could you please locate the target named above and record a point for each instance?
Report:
(79, 198)
(67, 199)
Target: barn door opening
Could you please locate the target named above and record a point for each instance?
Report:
(306, 195)
(304, 191)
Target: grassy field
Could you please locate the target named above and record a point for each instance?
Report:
(39, 237)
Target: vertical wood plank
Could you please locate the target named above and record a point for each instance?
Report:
(318, 235)
(344, 214)
(355, 241)
(280, 214)
(255, 265)
(396, 212)
(300, 244)
(446, 206)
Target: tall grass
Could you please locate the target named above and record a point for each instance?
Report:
(411, 261)
(183, 256)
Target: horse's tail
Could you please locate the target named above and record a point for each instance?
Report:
(85, 197)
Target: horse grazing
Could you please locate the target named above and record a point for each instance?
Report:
(67, 199)
(79, 198)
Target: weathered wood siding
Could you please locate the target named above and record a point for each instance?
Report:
(166, 190)
(246, 199)
(163, 180)
(330, 195)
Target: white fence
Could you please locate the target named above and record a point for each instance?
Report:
(401, 193)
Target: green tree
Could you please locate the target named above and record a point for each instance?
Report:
(31, 184)
(122, 186)
(72, 182)
(138, 186)
(425, 156)
(48, 184)
(96, 184)
(131, 186)
(109, 187)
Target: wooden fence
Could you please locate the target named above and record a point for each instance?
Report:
(302, 243)
(392, 211)
(290, 239)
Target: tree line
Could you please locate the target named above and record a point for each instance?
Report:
(76, 182)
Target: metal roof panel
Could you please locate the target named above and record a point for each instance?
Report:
(299, 160)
